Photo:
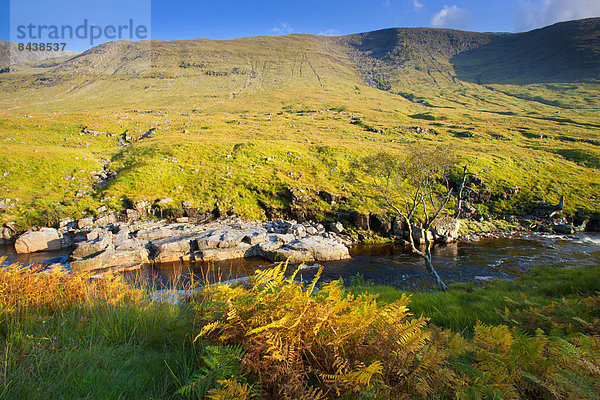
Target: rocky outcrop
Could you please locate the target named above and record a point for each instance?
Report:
(45, 239)
(125, 245)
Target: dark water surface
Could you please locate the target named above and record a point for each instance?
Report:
(394, 265)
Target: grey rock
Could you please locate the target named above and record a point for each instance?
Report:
(111, 258)
(12, 226)
(46, 239)
(173, 249)
(6, 234)
(445, 229)
(231, 239)
(94, 246)
(418, 235)
(154, 234)
(106, 219)
(313, 248)
(255, 238)
(563, 229)
(336, 227)
(85, 223)
(133, 215)
(240, 251)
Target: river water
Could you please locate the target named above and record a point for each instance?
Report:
(393, 265)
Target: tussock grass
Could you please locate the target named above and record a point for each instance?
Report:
(69, 336)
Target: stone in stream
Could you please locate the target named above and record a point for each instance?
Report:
(97, 244)
(563, 229)
(314, 248)
(173, 249)
(45, 239)
(111, 258)
(445, 229)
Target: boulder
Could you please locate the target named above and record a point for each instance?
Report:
(111, 258)
(398, 226)
(311, 230)
(380, 223)
(243, 250)
(133, 215)
(99, 240)
(85, 223)
(336, 227)
(46, 239)
(231, 239)
(563, 229)
(418, 235)
(106, 219)
(361, 221)
(210, 240)
(173, 249)
(154, 234)
(12, 226)
(445, 229)
(5, 234)
(313, 248)
(254, 238)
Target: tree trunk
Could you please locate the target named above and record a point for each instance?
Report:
(429, 265)
(460, 194)
(425, 256)
(438, 281)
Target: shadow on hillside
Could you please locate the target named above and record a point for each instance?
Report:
(561, 53)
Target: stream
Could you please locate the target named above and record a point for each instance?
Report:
(387, 263)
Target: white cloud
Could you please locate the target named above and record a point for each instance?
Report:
(452, 17)
(283, 29)
(536, 14)
(329, 32)
(417, 4)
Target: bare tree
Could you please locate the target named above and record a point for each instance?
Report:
(416, 186)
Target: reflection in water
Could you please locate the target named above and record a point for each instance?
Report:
(394, 265)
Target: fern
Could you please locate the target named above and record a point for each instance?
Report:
(220, 363)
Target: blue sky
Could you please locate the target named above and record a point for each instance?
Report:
(184, 19)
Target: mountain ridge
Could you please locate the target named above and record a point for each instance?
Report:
(433, 66)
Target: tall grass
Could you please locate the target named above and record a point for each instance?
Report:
(70, 336)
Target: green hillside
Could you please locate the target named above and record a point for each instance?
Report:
(251, 123)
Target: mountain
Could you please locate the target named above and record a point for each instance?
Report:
(11, 55)
(417, 63)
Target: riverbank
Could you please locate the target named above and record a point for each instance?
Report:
(143, 348)
(109, 244)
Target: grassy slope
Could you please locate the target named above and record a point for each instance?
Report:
(282, 107)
